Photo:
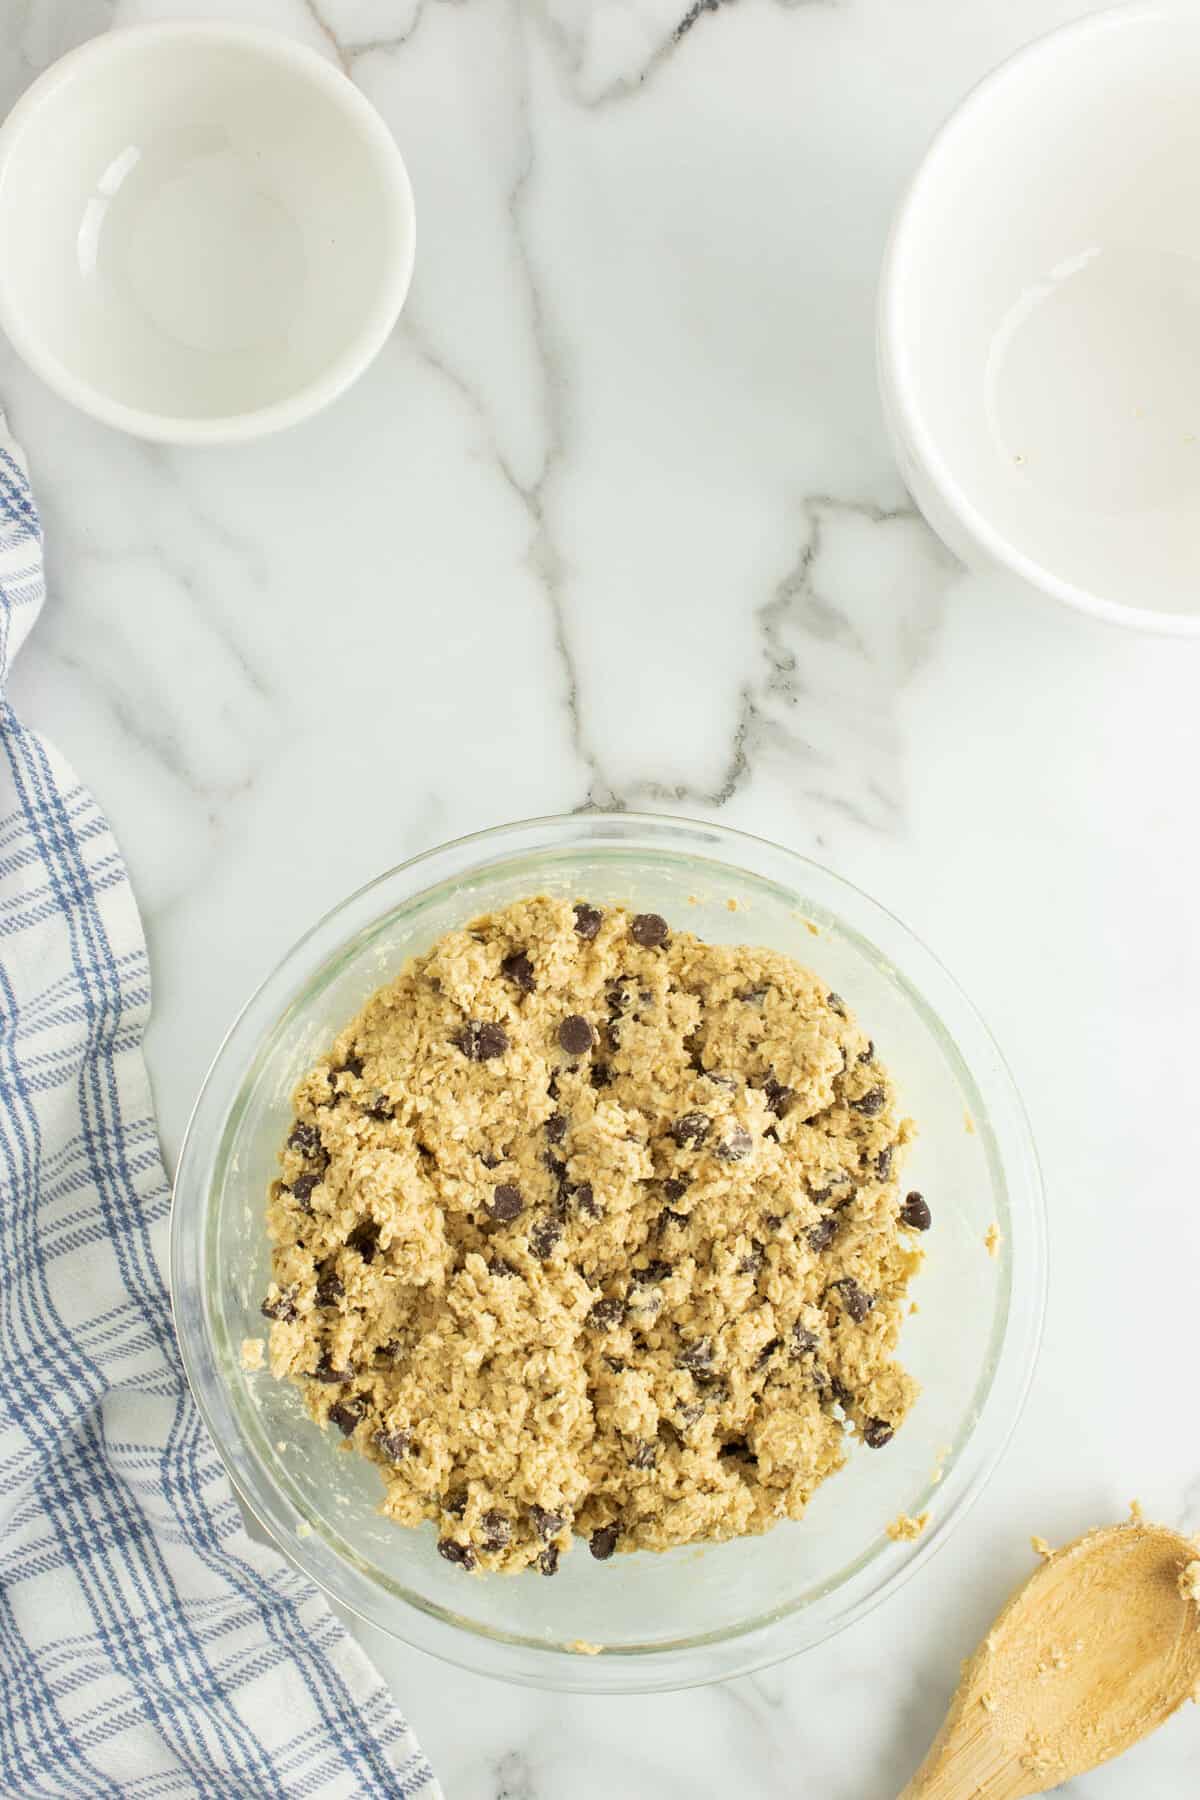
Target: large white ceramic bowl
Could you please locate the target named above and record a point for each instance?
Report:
(206, 231)
(693, 1614)
(1039, 319)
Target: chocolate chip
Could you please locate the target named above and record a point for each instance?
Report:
(822, 1234)
(517, 968)
(365, 1239)
(576, 1035)
(697, 1357)
(645, 1302)
(649, 930)
(877, 1433)
(462, 1554)
(772, 1221)
(619, 994)
(547, 1524)
(330, 1287)
(675, 1187)
(867, 1055)
(601, 1075)
(644, 1456)
(481, 1040)
(692, 1128)
(345, 1414)
(585, 1201)
(496, 1531)
(657, 1270)
(841, 1393)
(767, 1352)
(554, 1164)
(302, 1189)
(855, 1299)
(587, 921)
(803, 1340)
(666, 1219)
(753, 1260)
(556, 1128)
(547, 1562)
(395, 1444)
(282, 1309)
(305, 1138)
(326, 1372)
(719, 1080)
(506, 1202)
(603, 1542)
(836, 1004)
(605, 1315)
(871, 1103)
(389, 1354)
(883, 1163)
(545, 1235)
(779, 1098)
(380, 1108)
(612, 1036)
(915, 1212)
(737, 1146)
(500, 1266)
(455, 1503)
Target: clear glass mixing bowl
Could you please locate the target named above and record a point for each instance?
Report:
(692, 1615)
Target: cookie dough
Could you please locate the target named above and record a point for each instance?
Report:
(906, 1530)
(1189, 1581)
(587, 1227)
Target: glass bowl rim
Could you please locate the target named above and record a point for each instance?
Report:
(414, 1622)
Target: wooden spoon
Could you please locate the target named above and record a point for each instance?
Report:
(1099, 1646)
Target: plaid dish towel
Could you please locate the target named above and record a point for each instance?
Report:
(148, 1647)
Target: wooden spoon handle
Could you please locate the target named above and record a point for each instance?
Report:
(971, 1764)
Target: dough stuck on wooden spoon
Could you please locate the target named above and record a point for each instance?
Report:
(1096, 1650)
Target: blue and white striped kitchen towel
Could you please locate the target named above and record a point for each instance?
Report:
(148, 1646)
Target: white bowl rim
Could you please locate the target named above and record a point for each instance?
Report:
(896, 373)
(287, 53)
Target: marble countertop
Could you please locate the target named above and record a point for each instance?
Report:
(612, 521)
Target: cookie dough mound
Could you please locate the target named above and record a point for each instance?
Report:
(587, 1227)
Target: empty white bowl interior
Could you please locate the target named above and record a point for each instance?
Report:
(195, 226)
(1046, 307)
(641, 1602)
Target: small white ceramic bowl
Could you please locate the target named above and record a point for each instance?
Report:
(206, 231)
(1039, 319)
